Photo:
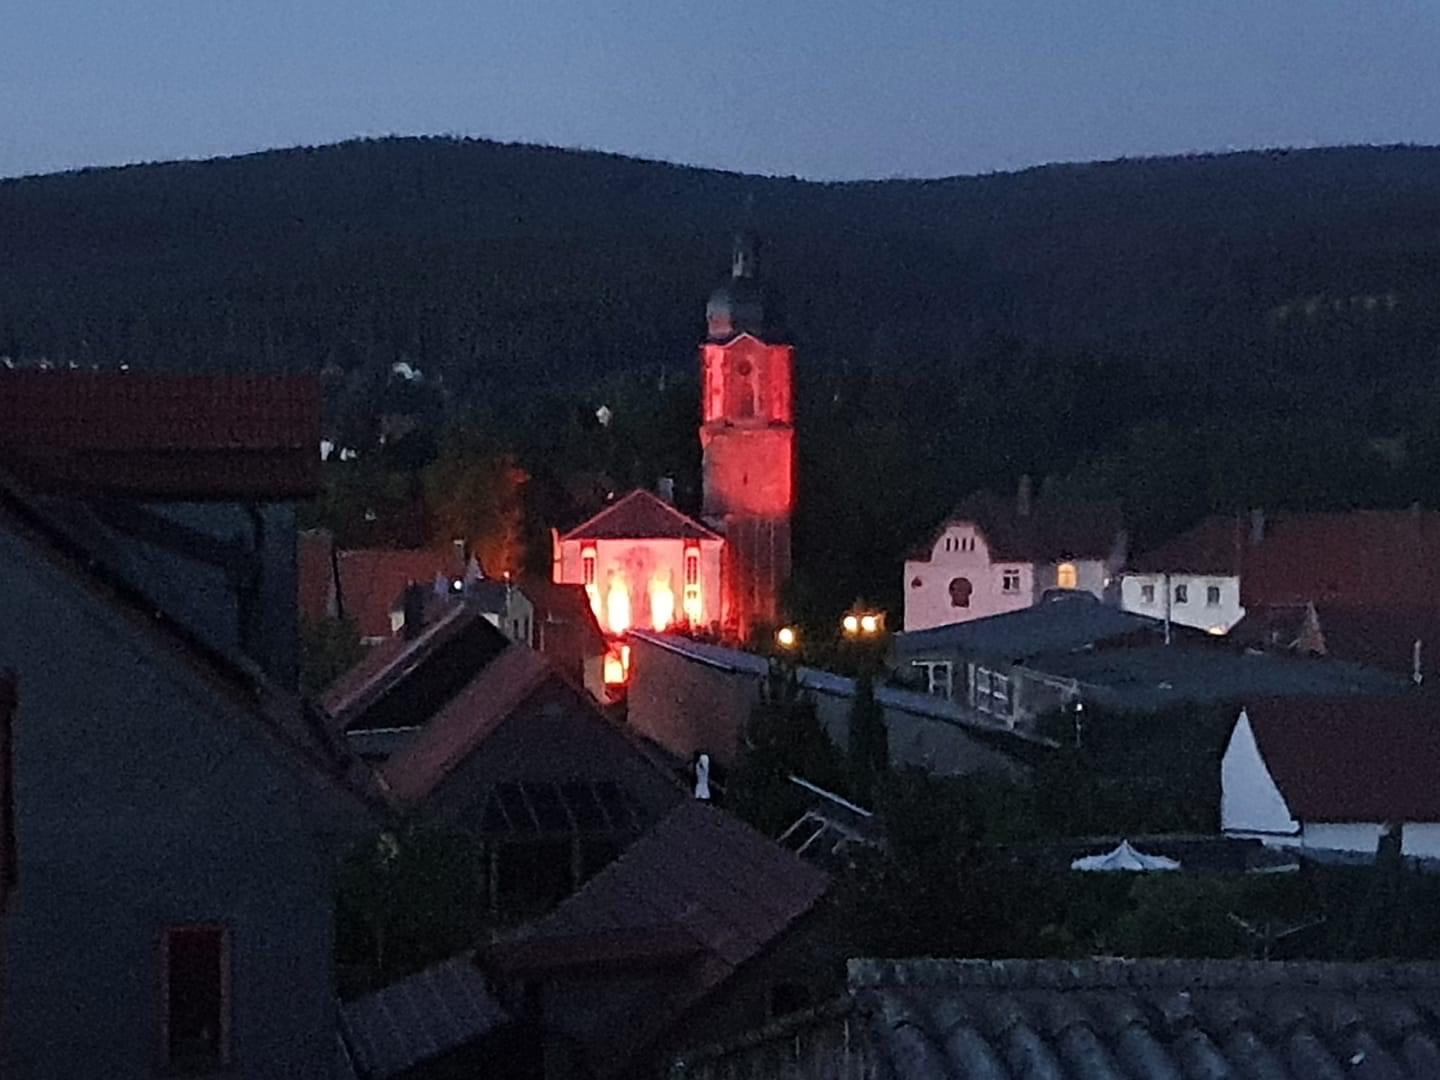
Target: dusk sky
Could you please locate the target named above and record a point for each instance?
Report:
(839, 89)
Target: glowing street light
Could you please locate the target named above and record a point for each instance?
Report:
(869, 624)
(786, 637)
(851, 624)
(861, 623)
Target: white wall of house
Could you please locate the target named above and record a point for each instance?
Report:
(962, 554)
(1202, 608)
(642, 566)
(1250, 802)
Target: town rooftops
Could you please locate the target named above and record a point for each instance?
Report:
(641, 514)
(1084, 1019)
(1155, 677)
(1061, 623)
(372, 582)
(162, 436)
(1353, 759)
(699, 895)
(1050, 530)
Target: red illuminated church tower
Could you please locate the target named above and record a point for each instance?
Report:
(747, 437)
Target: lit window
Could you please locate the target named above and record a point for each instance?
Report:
(1066, 576)
(694, 612)
(1010, 581)
(587, 566)
(195, 966)
(1212, 595)
(1147, 594)
(1182, 594)
(662, 603)
(617, 606)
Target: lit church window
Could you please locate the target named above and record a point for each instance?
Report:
(694, 612)
(617, 606)
(662, 603)
(587, 566)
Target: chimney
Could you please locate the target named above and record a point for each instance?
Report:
(1022, 496)
(1257, 526)
(414, 610)
(1417, 670)
(665, 488)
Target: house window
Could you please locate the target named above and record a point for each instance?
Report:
(587, 566)
(1182, 594)
(1010, 581)
(196, 988)
(992, 692)
(690, 601)
(1212, 595)
(960, 590)
(938, 674)
(1147, 594)
(1066, 576)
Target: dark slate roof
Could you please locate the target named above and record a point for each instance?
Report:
(1150, 1018)
(418, 1018)
(699, 895)
(1353, 759)
(1155, 677)
(8, 873)
(163, 435)
(1381, 638)
(1075, 620)
(467, 720)
(1104, 1020)
(1214, 546)
(1053, 530)
(641, 516)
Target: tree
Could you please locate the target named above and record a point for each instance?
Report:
(869, 744)
(475, 492)
(783, 738)
(328, 649)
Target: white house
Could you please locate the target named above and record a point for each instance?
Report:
(1194, 579)
(992, 556)
(1334, 775)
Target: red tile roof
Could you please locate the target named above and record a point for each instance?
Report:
(1353, 759)
(175, 436)
(703, 886)
(643, 516)
(454, 733)
(1213, 546)
(1050, 532)
(1364, 558)
(373, 582)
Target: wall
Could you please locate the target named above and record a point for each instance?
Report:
(1196, 612)
(687, 705)
(639, 562)
(143, 800)
(929, 603)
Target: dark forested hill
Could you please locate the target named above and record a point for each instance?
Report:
(500, 265)
(1189, 334)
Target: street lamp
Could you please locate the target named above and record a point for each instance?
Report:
(850, 624)
(860, 623)
(786, 637)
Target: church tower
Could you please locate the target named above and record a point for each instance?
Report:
(747, 438)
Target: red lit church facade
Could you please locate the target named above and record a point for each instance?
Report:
(644, 563)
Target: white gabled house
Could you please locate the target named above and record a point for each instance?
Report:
(1335, 775)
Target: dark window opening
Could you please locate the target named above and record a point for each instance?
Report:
(960, 590)
(196, 992)
(788, 998)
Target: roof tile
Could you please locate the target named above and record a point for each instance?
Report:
(641, 515)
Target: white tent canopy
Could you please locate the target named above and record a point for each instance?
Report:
(1125, 857)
